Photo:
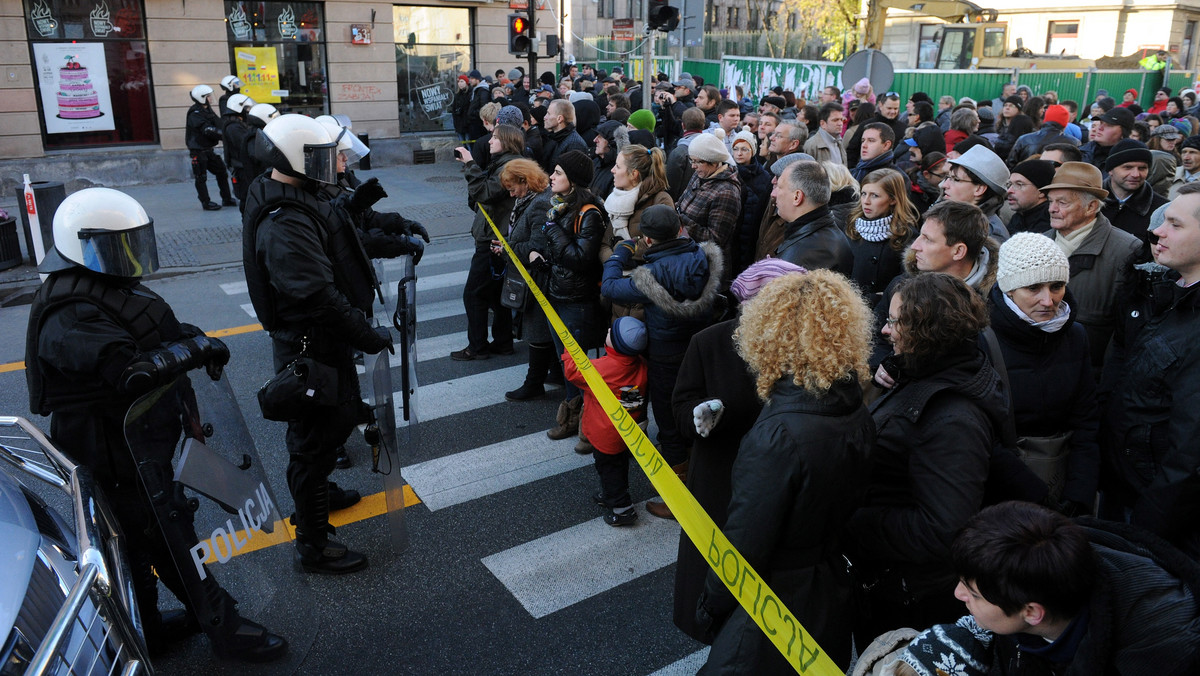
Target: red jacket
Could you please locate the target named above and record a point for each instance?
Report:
(952, 137)
(628, 378)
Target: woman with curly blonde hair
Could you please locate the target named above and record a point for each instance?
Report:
(798, 470)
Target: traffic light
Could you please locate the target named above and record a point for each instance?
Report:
(662, 17)
(520, 34)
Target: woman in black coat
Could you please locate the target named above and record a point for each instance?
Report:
(1046, 355)
(935, 430)
(881, 226)
(797, 471)
(756, 194)
(574, 232)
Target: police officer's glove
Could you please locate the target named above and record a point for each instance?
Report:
(366, 195)
(623, 253)
(373, 340)
(417, 248)
(415, 228)
(707, 415)
(153, 368)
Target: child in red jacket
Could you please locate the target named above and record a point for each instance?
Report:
(625, 372)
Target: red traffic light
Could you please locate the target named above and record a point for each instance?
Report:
(520, 34)
(518, 24)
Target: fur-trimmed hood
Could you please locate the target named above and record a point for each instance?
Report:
(981, 281)
(682, 266)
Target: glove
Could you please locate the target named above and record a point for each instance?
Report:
(366, 195)
(706, 415)
(373, 340)
(153, 368)
(623, 253)
(415, 228)
(417, 247)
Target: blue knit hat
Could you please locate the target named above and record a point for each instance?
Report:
(510, 115)
(629, 336)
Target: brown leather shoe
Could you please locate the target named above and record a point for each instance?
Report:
(660, 510)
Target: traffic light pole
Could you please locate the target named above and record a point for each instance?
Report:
(648, 60)
(533, 47)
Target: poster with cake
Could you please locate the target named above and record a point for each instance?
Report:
(73, 79)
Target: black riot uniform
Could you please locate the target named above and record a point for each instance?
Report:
(234, 134)
(202, 134)
(90, 344)
(384, 234)
(312, 285)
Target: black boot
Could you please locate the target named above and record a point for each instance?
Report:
(540, 359)
(341, 498)
(251, 642)
(315, 552)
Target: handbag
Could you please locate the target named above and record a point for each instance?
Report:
(514, 293)
(1047, 458)
(300, 389)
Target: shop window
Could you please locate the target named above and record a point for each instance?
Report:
(433, 47)
(92, 72)
(1062, 37)
(277, 50)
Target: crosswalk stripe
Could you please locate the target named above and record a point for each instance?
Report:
(234, 288)
(440, 346)
(431, 259)
(686, 666)
(249, 309)
(442, 281)
(459, 478)
(427, 312)
(575, 564)
(468, 393)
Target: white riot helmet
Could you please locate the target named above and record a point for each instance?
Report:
(300, 147)
(231, 83)
(348, 144)
(261, 114)
(105, 231)
(239, 103)
(199, 92)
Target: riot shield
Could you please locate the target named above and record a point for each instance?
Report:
(388, 432)
(226, 535)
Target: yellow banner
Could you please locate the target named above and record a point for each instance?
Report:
(768, 612)
(259, 73)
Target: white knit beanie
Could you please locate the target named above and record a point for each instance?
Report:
(708, 148)
(747, 137)
(1030, 258)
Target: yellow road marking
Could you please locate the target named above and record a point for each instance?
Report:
(369, 506)
(219, 333)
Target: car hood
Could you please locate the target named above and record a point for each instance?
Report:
(19, 533)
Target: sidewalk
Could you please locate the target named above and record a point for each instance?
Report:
(190, 238)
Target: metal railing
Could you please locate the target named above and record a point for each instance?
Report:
(103, 573)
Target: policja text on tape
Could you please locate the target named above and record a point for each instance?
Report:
(756, 597)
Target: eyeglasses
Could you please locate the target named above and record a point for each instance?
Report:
(939, 176)
(955, 179)
(1019, 185)
(891, 321)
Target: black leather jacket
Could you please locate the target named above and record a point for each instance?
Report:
(574, 255)
(203, 128)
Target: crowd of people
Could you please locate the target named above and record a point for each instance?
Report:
(907, 357)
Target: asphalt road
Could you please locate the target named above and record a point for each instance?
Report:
(510, 569)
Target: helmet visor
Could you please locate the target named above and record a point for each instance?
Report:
(351, 147)
(320, 162)
(120, 253)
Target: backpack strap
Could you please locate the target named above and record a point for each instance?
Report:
(579, 217)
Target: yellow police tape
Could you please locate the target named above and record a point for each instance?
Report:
(747, 586)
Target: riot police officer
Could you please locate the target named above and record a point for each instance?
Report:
(230, 85)
(257, 117)
(312, 286)
(97, 339)
(202, 134)
(234, 134)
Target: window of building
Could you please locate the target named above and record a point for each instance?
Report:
(1189, 40)
(732, 18)
(433, 47)
(928, 42)
(753, 20)
(277, 50)
(92, 72)
(1062, 36)
(793, 21)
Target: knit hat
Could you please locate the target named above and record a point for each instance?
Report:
(746, 137)
(1132, 91)
(862, 86)
(1031, 258)
(1192, 142)
(578, 168)
(1015, 100)
(515, 75)
(475, 75)
(1039, 172)
(660, 223)
(754, 278)
(510, 115)
(1079, 176)
(779, 165)
(962, 648)
(920, 96)
(986, 114)
(986, 166)
(707, 148)
(643, 137)
(642, 119)
(580, 96)
(777, 101)
(1128, 150)
(1058, 115)
(1180, 123)
(970, 142)
(629, 335)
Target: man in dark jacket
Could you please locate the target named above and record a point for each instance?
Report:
(811, 240)
(1090, 597)
(671, 109)
(679, 163)
(560, 136)
(1027, 145)
(1130, 199)
(1031, 210)
(1106, 131)
(233, 134)
(876, 143)
(679, 285)
(1150, 426)
(203, 133)
(888, 114)
(481, 95)
(318, 308)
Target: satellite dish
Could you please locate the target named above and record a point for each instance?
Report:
(871, 64)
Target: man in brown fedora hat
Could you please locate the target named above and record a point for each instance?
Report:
(1100, 254)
